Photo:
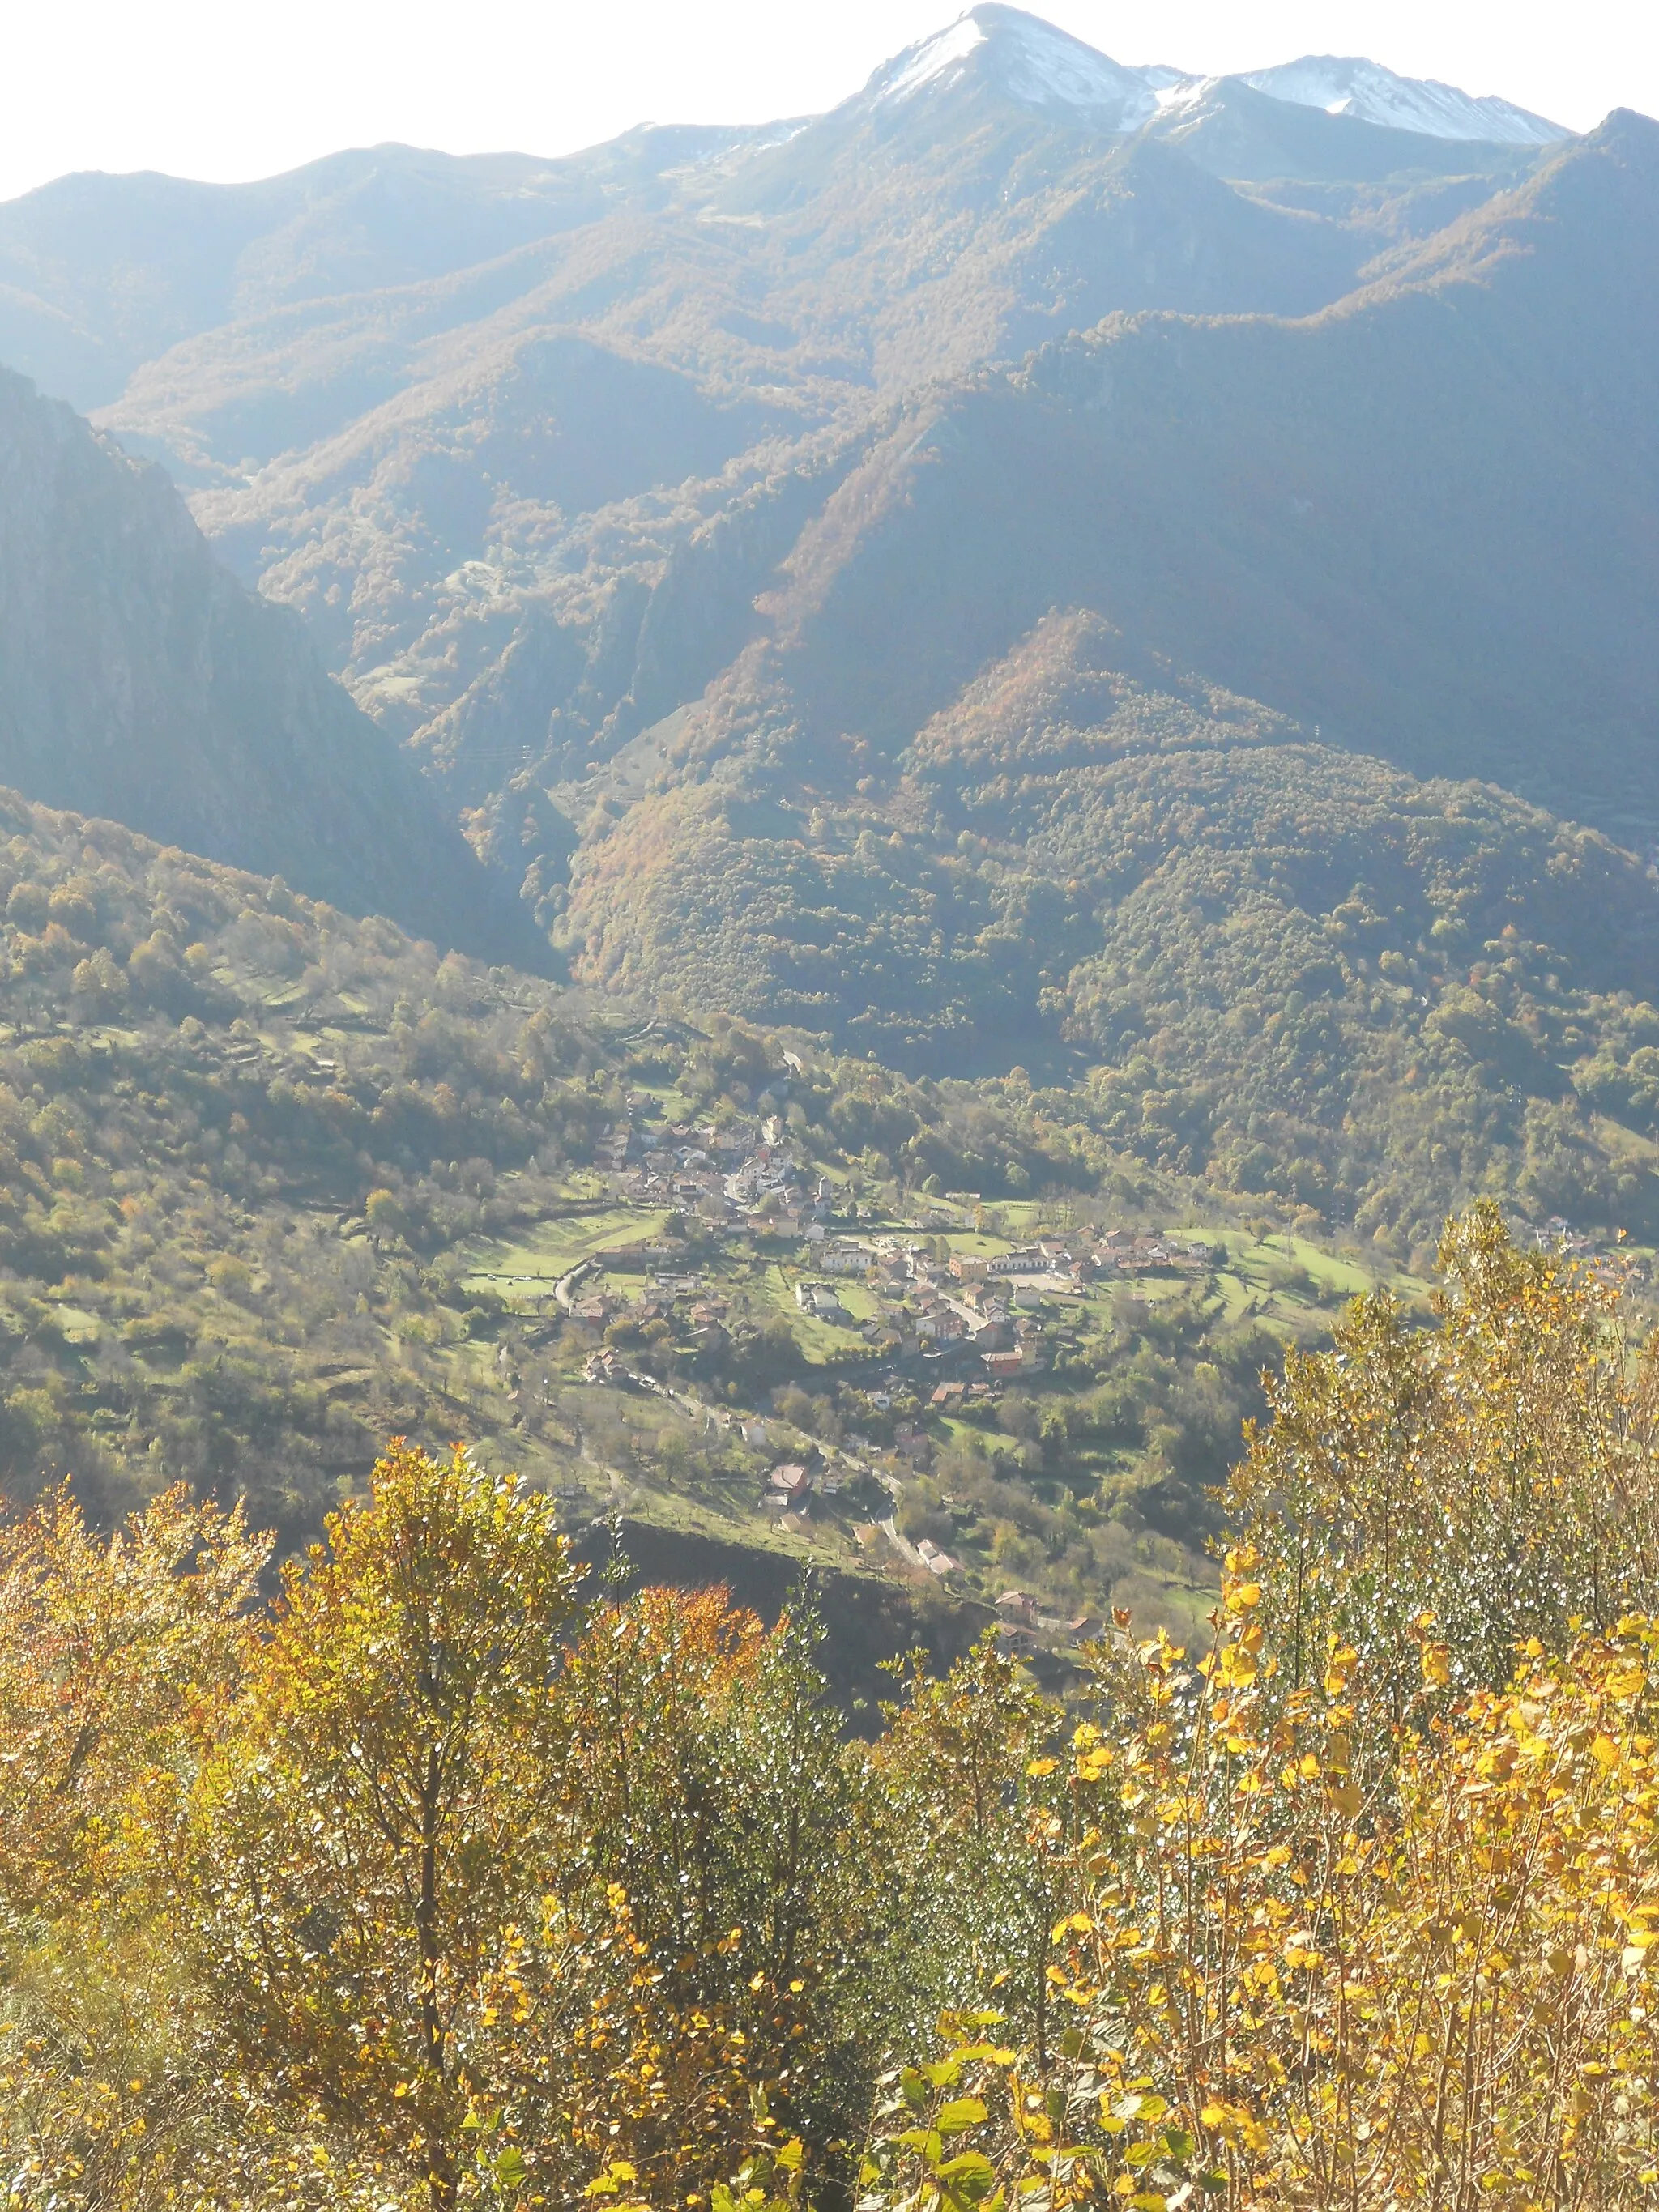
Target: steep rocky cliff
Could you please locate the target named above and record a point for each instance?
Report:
(138, 680)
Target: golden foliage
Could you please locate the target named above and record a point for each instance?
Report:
(113, 1654)
(1286, 1992)
(323, 1907)
(1358, 1912)
(1500, 1471)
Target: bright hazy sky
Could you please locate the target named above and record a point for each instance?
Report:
(226, 89)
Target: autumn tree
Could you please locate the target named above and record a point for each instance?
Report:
(114, 1652)
(709, 1782)
(1359, 1899)
(501, 1893)
(120, 1655)
(972, 1821)
(369, 1824)
(1499, 1473)
(1284, 1989)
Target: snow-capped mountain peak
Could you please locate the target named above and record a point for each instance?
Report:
(1363, 89)
(1038, 66)
(1032, 63)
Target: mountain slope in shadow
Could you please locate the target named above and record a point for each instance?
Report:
(139, 681)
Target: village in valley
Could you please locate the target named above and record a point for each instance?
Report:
(725, 1329)
(825, 1356)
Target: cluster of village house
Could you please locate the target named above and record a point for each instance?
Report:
(1023, 1622)
(1559, 1235)
(742, 1172)
(988, 1304)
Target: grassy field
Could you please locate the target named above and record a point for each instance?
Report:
(537, 1261)
(676, 1107)
(821, 1341)
(1254, 1279)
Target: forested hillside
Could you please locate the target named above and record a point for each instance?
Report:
(1019, 571)
(1251, 955)
(919, 714)
(1406, 517)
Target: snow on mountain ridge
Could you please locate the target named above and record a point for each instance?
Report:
(1040, 66)
(932, 58)
(1349, 85)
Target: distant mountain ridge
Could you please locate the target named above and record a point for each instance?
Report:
(439, 461)
(99, 274)
(1462, 578)
(1360, 89)
(1035, 62)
